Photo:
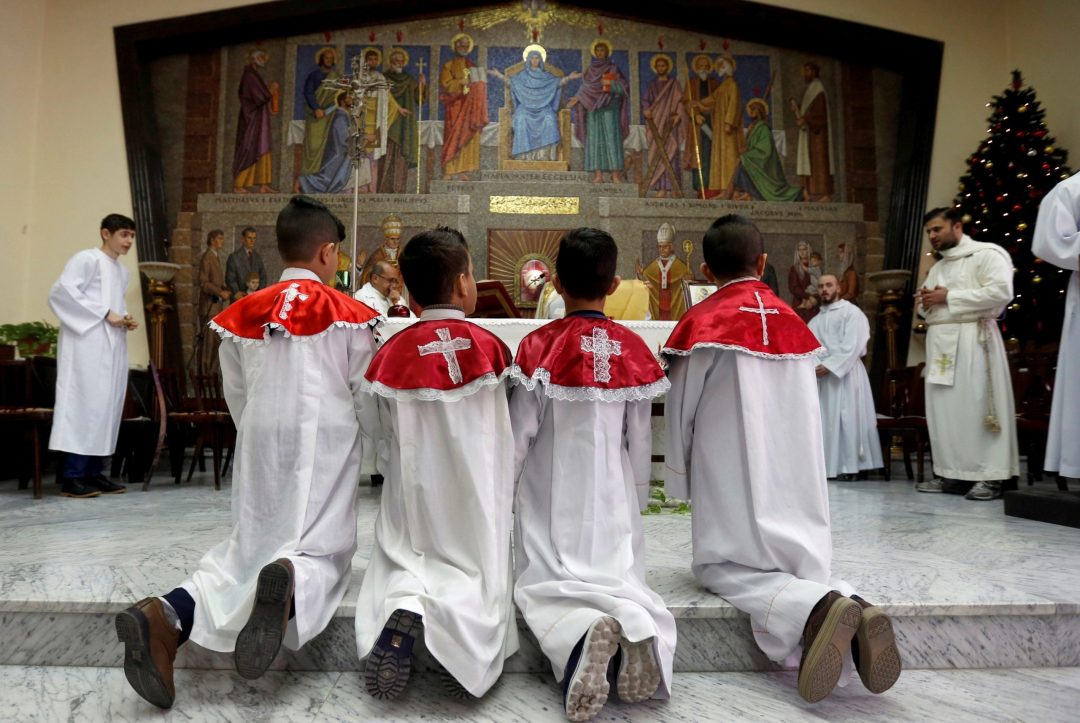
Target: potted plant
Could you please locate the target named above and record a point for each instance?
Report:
(32, 338)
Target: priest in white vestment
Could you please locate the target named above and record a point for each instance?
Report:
(743, 443)
(1057, 240)
(91, 359)
(581, 411)
(292, 359)
(441, 565)
(969, 398)
(848, 419)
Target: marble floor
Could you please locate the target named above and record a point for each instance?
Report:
(32, 694)
(987, 611)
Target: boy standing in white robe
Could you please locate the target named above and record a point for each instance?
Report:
(91, 359)
(1057, 240)
(291, 360)
(581, 412)
(743, 442)
(441, 560)
(848, 419)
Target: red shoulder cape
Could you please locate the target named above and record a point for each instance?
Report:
(581, 358)
(732, 319)
(438, 359)
(300, 308)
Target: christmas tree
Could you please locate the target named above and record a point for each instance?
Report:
(1015, 166)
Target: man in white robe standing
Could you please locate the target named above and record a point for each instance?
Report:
(1057, 240)
(743, 443)
(969, 398)
(91, 359)
(579, 543)
(292, 357)
(440, 565)
(848, 419)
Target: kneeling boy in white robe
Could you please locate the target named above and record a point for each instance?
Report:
(292, 358)
(848, 419)
(441, 560)
(581, 411)
(743, 442)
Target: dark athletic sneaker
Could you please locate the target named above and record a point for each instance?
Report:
(71, 487)
(827, 634)
(390, 661)
(105, 485)
(874, 649)
(260, 640)
(585, 683)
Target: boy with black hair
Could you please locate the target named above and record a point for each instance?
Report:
(91, 359)
(441, 559)
(744, 442)
(581, 411)
(292, 356)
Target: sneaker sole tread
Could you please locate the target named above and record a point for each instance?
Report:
(820, 670)
(879, 659)
(387, 671)
(589, 687)
(639, 671)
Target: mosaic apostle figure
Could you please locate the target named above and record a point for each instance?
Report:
(319, 103)
(463, 92)
(602, 114)
(251, 160)
(664, 109)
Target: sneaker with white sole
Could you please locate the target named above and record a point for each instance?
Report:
(931, 485)
(585, 683)
(639, 671)
(984, 490)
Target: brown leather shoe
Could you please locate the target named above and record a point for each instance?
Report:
(827, 634)
(874, 649)
(260, 640)
(149, 650)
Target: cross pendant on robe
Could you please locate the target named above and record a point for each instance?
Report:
(943, 363)
(762, 311)
(602, 350)
(448, 348)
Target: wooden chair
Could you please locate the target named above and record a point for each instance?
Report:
(1033, 390)
(21, 411)
(185, 416)
(214, 426)
(905, 418)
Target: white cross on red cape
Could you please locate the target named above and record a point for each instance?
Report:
(441, 359)
(299, 308)
(742, 316)
(588, 358)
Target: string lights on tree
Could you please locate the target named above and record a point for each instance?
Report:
(1013, 168)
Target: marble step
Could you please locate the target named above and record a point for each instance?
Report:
(967, 587)
(99, 694)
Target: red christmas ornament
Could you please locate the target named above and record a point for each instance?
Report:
(1039, 133)
(1016, 207)
(1000, 199)
(1020, 134)
(1046, 166)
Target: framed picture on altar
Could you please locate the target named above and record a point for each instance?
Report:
(697, 291)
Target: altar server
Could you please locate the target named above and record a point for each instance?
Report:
(848, 419)
(743, 443)
(292, 357)
(91, 359)
(1057, 240)
(581, 412)
(440, 564)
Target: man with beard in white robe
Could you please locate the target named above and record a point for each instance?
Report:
(969, 398)
(440, 565)
(579, 542)
(1057, 240)
(743, 443)
(848, 419)
(91, 359)
(292, 357)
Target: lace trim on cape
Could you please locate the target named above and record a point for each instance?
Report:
(272, 326)
(668, 351)
(427, 394)
(588, 394)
